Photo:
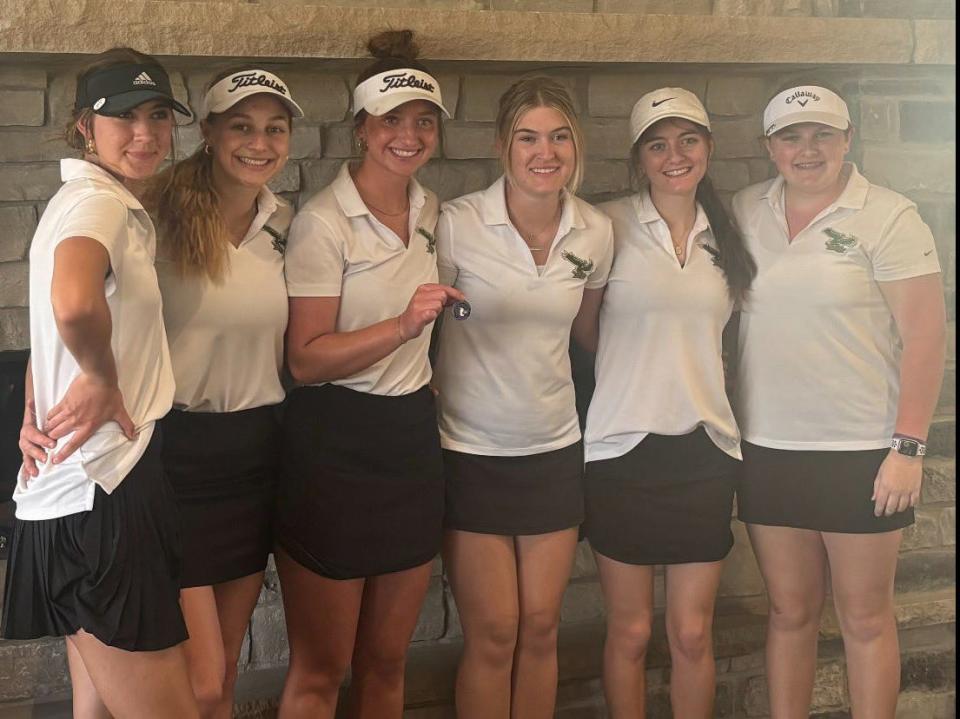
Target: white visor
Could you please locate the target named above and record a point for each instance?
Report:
(383, 92)
(232, 89)
(807, 103)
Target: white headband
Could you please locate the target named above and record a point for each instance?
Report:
(232, 89)
(383, 92)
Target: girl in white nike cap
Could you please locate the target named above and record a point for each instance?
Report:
(841, 356)
(528, 254)
(95, 553)
(662, 446)
(361, 502)
(220, 266)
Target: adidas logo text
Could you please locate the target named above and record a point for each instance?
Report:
(143, 79)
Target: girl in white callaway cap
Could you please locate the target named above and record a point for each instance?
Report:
(361, 502)
(529, 254)
(95, 553)
(220, 266)
(662, 446)
(841, 356)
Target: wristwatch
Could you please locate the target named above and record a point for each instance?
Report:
(908, 446)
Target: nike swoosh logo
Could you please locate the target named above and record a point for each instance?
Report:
(927, 253)
(660, 102)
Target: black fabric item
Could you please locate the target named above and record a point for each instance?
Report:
(669, 500)
(223, 468)
(824, 491)
(513, 496)
(361, 492)
(115, 89)
(113, 571)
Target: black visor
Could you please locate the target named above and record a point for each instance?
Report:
(116, 89)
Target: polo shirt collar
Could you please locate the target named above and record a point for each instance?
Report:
(647, 212)
(73, 169)
(353, 205)
(266, 206)
(494, 206)
(854, 195)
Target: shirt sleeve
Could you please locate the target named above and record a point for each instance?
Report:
(101, 217)
(598, 278)
(906, 248)
(314, 258)
(445, 265)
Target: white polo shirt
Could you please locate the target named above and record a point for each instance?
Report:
(91, 203)
(819, 350)
(337, 248)
(226, 339)
(658, 366)
(504, 373)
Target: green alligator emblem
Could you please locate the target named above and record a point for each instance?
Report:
(431, 240)
(838, 241)
(712, 251)
(581, 267)
(279, 240)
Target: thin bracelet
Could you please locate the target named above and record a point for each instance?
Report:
(400, 331)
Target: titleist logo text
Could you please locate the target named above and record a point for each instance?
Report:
(392, 82)
(252, 78)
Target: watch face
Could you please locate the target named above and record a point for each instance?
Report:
(908, 447)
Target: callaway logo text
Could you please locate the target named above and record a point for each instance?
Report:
(391, 82)
(803, 97)
(252, 78)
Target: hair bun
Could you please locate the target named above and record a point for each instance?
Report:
(397, 44)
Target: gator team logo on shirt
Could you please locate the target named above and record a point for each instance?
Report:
(279, 241)
(838, 241)
(431, 240)
(712, 251)
(581, 267)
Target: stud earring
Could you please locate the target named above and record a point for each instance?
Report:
(207, 149)
(362, 144)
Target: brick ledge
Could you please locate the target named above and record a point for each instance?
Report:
(302, 29)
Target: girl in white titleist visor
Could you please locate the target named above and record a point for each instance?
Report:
(662, 446)
(220, 265)
(361, 501)
(841, 357)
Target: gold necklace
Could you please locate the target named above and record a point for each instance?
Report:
(388, 214)
(531, 237)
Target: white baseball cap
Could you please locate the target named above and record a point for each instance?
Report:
(666, 102)
(386, 90)
(227, 92)
(805, 103)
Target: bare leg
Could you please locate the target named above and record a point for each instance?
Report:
(862, 570)
(628, 598)
(204, 648)
(544, 562)
(86, 701)
(793, 564)
(482, 570)
(321, 616)
(138, 685)
(691, 596)
(388, 615)
(235, 603)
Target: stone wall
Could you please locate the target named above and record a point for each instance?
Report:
(905, 115)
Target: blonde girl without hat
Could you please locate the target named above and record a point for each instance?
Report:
(95, 554)
(529, 254)
(220, 266)
(361, 501)
(662, 446)
(841, 357)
